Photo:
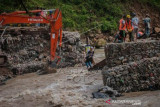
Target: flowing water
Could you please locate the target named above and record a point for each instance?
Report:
(68, 87)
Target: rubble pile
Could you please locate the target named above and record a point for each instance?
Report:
(118, 54)
(136, 76)
(28, 49)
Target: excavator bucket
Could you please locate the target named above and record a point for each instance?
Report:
(50, 67)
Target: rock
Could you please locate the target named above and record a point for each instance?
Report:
(23, 52)
(69, 48)
(100, 42)
(41, 56)
(110, 39)
(91, 35)
(41, 45)
(157, 29)
(124, 61)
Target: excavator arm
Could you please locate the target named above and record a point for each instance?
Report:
(54, 20)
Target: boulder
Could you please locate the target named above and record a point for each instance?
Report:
(157, 29)
(100, 42)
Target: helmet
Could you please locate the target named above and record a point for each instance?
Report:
(128, 16)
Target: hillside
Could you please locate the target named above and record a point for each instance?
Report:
(80, 15)
(83, 66)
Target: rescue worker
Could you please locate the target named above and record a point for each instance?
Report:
(147, 25)
(129, 28)
(89, 58)
(122, 28)
(118, 37)
(87, 48)
(135, 22)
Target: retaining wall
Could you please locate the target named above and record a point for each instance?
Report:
(132, 66)
(135, 76)
(121, 53)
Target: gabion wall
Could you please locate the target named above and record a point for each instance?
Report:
(135, 76)
(122, 53)
(132, 66)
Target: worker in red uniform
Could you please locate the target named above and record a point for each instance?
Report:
(122, 28)
(129, 28)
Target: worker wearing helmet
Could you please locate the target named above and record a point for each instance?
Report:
(129, 28)
(122, 27)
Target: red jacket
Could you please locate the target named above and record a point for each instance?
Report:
(122, 25)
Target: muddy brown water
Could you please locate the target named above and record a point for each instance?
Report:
(69, 87)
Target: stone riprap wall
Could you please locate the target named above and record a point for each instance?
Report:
(121, 53)
(135, 76)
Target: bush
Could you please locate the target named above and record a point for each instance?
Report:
(79, 14)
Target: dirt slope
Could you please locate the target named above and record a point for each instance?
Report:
(141, 10)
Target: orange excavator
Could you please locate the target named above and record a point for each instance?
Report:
(31, 17)
(55, 21)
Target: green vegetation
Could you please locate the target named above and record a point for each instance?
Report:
(80, 15)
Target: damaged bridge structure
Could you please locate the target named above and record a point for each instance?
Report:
(131, 67)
